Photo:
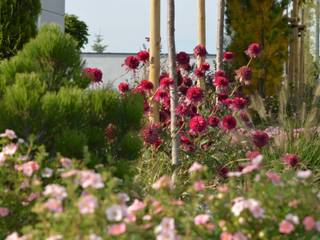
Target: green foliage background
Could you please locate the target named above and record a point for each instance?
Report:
(264, 22)
(18, 20)
(77, 29)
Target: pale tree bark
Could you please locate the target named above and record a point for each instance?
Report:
(318, 32)
(154, 69)
(220, 33)
(201, 14)
(173, 88)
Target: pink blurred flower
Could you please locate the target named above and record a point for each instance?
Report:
(199, 186)
(87, 204)
(195, 167)
(28, 168)
(94, 237)
(56, 191)
(9, 134)
(89, 178)
(117, 229)
(4, 212)
(136, 206)
(116, 213)
(286, 227)
(3, 158)
(10, 149)
(54, 205)
(66, 162)
(309, 223)
(55, 237)
(274, 177)
(201, 219)
(163, 182)
(15, 236)
(304, 174)
(226, 236)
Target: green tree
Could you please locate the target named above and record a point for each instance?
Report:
(77, 29)
(18, 20)
(98, 46)
(43, 93)
(264, 22)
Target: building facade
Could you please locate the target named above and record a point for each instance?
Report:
(111, 65)
(52, 11)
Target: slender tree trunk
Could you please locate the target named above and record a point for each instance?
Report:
(318, 32)
(154, 72)
(173, 75)
(201, 8)
(220, 34)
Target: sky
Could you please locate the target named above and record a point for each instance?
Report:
(124, 24)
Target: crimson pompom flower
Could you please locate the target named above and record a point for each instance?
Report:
(183, 58)
(213, 121)
(195, 94)
(198, 124)
(185, 140)
(219, 73)
(110, 131)
(260, 138)
(228, 56)
(200, 51)
(199, 73)
(291, 159)
(143, 56)
(222, 96)
(223, 171)
(161, 94)
(166, 82)
(253, 50)
(132, 62)
(239, 103)
(151, 135)
(244, 75)
(204, 67)
(221, 82)
(94, 74)
(123, 87)
(146, 85)
(229, 122)
(187, 81)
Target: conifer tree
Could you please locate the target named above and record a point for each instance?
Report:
(18, 23)
(264, 22)
(98, 46)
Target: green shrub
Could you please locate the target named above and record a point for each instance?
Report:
(52, 55)
(17, 24)
(42, 92)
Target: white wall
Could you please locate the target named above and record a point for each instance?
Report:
(52, 11)
(111, 66)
